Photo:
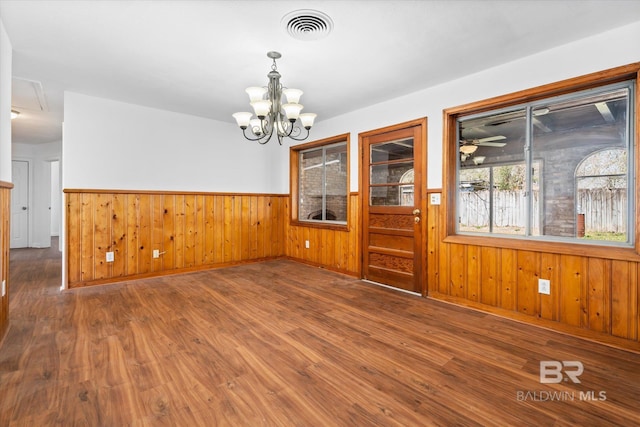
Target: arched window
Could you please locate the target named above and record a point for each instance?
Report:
(406, 188)
(602, 202)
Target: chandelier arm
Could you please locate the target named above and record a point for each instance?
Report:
(262, 139)
(257, 138)
(293, 130)
(263, 142)
(297, 133)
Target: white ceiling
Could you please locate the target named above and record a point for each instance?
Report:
(197, 57)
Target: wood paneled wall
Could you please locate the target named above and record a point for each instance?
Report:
(198, 231)
(332, 248)
(5, 241)
(592, 293)
(191, 231)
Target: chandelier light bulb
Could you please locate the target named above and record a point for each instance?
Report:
(256, 93)
(261, 108)
(307, 120)
(292, 111)
(292, 95)
(242, 118)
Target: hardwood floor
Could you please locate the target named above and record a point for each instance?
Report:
(281, 343)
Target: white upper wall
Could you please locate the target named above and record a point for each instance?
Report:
(115, 145)
(6, 55)
(607, 50)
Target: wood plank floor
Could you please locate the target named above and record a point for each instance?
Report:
(279, 344)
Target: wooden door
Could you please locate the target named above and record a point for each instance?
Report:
(392, 179)
(20, 204)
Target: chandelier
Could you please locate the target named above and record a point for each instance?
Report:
(273, 116)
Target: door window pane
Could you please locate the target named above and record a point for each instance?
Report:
(394, 150)
(391, 173)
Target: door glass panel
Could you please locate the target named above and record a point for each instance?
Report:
(394, 150)
(387, 195)
(391, 173)
(406, 188)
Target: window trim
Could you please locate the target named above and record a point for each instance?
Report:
(294, 181)
(450, 153)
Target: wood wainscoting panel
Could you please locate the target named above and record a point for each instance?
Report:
(591, 294)
(549, 269)
(489, 267)
(190, 231)
(528, 275)
(334, 248)
(5, 242)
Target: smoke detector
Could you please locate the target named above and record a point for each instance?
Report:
(307, 24)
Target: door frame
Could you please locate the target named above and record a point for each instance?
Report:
(421, 268)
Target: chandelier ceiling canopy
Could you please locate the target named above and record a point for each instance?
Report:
(272, 114)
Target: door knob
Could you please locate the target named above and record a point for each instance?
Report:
(416, 211)
(416, 219)
(24, 208)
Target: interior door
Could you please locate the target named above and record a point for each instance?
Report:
(20, 204)
(393, 222)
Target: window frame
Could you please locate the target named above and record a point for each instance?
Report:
(294, 182)
(530, 96)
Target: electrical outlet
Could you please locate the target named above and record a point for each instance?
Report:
(156, 253)
(306, 244)
(544, 286)
(110, 257)
(4, 288)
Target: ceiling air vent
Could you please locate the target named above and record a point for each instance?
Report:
(307, 24)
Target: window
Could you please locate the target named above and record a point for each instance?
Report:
(319, 181)
(553, 169)
(392, 173)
